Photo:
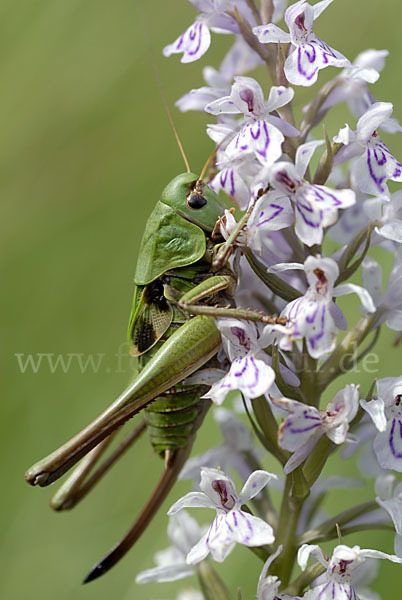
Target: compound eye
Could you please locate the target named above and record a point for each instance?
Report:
(196, 201)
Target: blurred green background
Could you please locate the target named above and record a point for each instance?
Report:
(85, 149)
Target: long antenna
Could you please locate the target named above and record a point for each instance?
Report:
(207, 163)
(211, 156)
(161, 89)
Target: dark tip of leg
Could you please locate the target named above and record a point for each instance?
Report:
(95, 572)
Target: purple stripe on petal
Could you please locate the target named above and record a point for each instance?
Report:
(379, 155)
(267, 141)
(180, 42)
(302, 51)
(243, 369)
(314, 338)
(377, 180)
(303, 206)
(277, 211)
(193, 33)
(393, 437)
(232, 184)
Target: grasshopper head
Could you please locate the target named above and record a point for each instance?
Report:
(193, 200)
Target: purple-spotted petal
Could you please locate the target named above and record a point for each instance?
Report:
(388, 445)
(259, 138)
(193, 43)
(224, 105)
(248, 530)
(302, 66)
(271, 212)
(302, 422)
(249, 375)
(218, 541)
(317, 208)
(312, 320)
(279, 96)
(233, 185)
(372, 170)
(271, 34)
(254, 484)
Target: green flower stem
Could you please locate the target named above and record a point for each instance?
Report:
(310, 118)
(286, 534)
(326, 162)
(293, 241)
(267, 10)
(308, 374)
(304, 580)
(272, 449)
(273, 282)
(287, 390)
(255, 11)
(315, 462)
(353, 529)
(268, 425)
(329, 526)
(211, 584)
(253, 42)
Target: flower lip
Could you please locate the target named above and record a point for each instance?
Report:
(342, 566)
(322, 280)
(283, 178)
(299, 22)
(247, 96)
(227, 502)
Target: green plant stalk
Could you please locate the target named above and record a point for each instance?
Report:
(353, 529)
(304, 580)
(266, 420)
(211, 584)
(286, 534)
(339, 519)
(315, 462)
(308, 377)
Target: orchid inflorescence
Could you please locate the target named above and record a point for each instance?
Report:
(278, 372)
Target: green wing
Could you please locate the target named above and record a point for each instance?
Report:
(169, 242)
(151, 315)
